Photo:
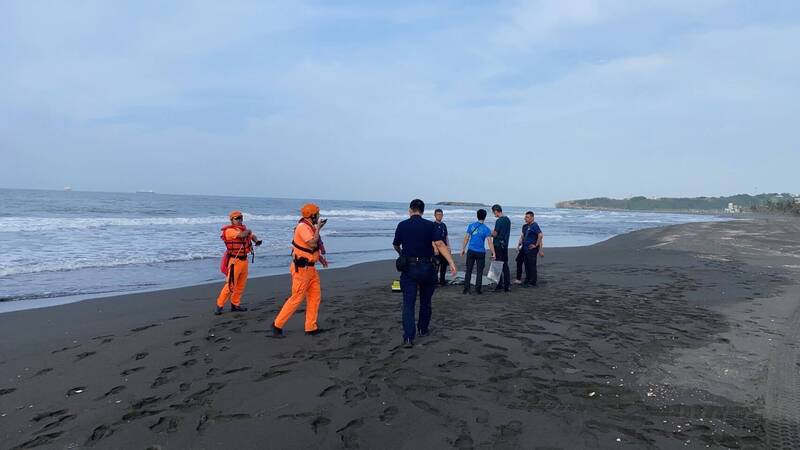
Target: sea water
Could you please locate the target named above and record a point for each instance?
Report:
(62, 245)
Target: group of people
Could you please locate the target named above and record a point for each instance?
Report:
(424, 256)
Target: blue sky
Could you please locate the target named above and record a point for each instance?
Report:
(524, 103)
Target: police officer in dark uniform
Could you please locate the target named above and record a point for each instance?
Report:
(414, 240)
(438, 215)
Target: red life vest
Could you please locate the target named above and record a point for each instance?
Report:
(239, 246)
(235, 248)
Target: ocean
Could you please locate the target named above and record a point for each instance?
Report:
(61, 246)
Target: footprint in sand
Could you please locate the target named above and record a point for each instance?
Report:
(240, 369)
(330, 389)
(425, 406)
(141, 355)
(169, 424)
(319, 422)
(7, 391)
(389, 414)
(101, 432)
(481, 415)
(138, 329)
(57, 423)
(348, 434)
(43, 371)
(40, 440)
(47, 415)
(114, 391)
(84, 355)
(463, 441)
(127, 372)
(76, 391)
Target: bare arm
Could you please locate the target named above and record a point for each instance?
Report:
(398, 249)
(540, 243)
(464, 244)
(490, 240)
(445, 252)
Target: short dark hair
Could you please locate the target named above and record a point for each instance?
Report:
(481, 214)
(497, 208)
(438, 210)
(417, 205)
(528, 213)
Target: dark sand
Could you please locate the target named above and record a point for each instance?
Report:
(679, 337)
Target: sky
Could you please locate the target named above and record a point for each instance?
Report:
(523, 103)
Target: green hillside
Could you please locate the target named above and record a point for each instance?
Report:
(761, 202)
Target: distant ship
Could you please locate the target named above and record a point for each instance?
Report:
(67, 189)
(146, 192)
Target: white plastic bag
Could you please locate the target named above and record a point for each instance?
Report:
(495, 271)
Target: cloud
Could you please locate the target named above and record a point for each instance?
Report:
(388, 102)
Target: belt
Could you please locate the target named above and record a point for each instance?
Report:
(419, 259)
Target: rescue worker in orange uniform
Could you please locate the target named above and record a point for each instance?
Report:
(307, 250)
(238, 244)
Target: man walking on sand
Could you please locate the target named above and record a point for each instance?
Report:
(308, 250)
(500, 238)
(530, 242)
(473, 245)
(438, 215)
(414, 240)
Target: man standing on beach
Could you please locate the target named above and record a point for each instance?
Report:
(500, 237)
(473, 246)
(442, 230)
(530, 242)
(414, 240)
(238, 244)
(308, 249)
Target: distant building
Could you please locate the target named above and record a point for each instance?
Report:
(733, 209)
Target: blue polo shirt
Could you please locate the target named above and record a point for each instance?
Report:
(415, 235)
(531, 234)
(478, 233)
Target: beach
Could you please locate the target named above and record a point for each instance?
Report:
(675, 337)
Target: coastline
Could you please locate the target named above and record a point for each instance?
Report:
(625, 342)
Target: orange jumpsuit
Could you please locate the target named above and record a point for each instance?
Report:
(305, 281)
(237, 271)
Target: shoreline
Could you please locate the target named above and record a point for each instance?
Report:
(664, 337)
(46, 302)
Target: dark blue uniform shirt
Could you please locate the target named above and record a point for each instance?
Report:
(531, 234)
(415, 236)
(443, 230)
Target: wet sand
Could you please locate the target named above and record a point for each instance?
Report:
(677, 337)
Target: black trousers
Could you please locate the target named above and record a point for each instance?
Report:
(479, 259)
(520, 263)
(501, 254)
(530, 266)
(442, 269)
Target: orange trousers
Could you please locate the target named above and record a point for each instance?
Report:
(305, 283)
(237, 280)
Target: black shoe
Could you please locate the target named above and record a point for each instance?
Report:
(478, 292)
(425, 333)
(408, 343)
(218, 311)
(277, 332)
(237, 308)
(465, 292)
(316, 332)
